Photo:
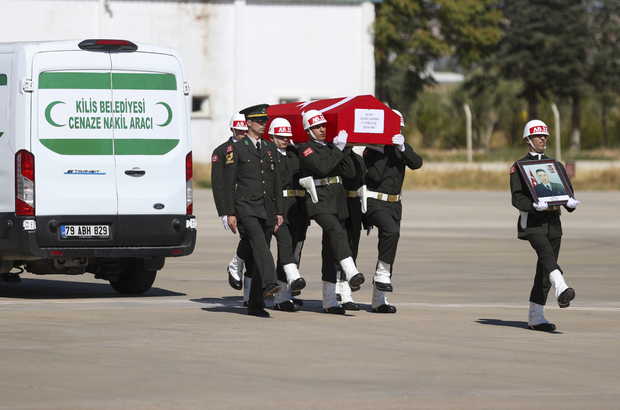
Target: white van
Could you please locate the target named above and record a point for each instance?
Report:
(95, 160)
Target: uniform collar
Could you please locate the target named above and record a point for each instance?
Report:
(318, 142)
(252, 140)
(536, 155)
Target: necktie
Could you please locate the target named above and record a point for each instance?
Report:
(258, 147)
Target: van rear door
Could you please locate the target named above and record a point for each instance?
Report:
(151, 145)
(72, 140)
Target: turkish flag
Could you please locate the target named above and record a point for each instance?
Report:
(534, 183)
(366, 119)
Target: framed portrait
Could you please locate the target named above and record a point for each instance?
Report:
(546, 181)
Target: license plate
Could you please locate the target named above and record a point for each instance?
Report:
(85, 231)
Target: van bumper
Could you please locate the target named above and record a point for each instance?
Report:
(135, 236)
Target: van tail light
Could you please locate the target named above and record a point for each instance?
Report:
(189, 181)
(107, 45)
(24, 183)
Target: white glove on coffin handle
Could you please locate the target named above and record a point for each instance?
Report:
(399, 141)
(341, 140)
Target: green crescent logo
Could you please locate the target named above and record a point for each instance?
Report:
(169, 114)
(48, 114)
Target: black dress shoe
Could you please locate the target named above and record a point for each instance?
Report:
(257, 311)
(295, 292)
(543, 327)
(287, 306)
(336, 310)
(234, 283)
(298, 302)
(270, 290)
(383, 287)
(351, 306)
(356, 281)
(298, 284)
(11, 278)
(566, 297)
(384, 309)
(355, 288)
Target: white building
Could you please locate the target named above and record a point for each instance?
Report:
(237, 53)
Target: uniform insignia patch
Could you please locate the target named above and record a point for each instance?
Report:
(512, 170)
(214, 158)
(229, 158)
(308, 151)
(230, 148)
(273, 166)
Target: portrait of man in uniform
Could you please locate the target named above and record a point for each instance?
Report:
(546, 181)
(547, 188)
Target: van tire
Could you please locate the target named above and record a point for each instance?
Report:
(135, 279)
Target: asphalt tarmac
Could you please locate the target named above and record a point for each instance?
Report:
(458, 341)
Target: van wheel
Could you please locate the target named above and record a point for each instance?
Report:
(135, 279)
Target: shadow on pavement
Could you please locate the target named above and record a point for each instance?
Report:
(234, 304)
(499, 322)
(509, 323)
(62, 289)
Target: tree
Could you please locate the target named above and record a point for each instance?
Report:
(491, 99)
(410, 34)
(570, 51)
(604, 73)
(545, 46)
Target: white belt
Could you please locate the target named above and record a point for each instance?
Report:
(383, 197)
(328, 181)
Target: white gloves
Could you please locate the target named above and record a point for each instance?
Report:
(540, 206)
(225, 222)
(572, 203)
(399, 141)
(341, 140)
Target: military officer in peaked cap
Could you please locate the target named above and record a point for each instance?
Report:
(254, 202)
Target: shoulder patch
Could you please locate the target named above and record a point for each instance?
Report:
(308, 151)
(230, 148)
(512, 170)
(214, 158)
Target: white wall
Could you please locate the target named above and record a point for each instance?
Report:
(236, 53)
